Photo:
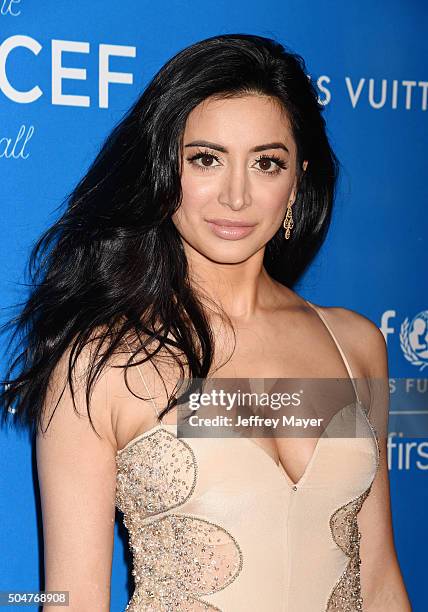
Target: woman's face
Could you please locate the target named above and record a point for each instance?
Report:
(239, 165)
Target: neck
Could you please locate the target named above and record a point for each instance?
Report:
(242, 289)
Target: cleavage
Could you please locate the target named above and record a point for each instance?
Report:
(294, 454)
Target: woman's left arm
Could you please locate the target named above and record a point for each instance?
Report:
(382, 585)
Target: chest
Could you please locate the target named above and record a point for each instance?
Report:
(300, 355)
(264, 351)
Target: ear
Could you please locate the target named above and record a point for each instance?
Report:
(305, 165)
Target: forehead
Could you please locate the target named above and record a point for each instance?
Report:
(243, 120)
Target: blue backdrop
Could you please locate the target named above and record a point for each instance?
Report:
(68, 71)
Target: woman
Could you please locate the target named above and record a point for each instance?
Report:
(203, 208)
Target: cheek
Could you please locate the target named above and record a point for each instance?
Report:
(272, 200)
(197, 189)
(197, 198)
(190, 210)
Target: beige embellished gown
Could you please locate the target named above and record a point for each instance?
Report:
(217, 524)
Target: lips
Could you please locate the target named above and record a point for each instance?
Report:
(231, 222)
(230, 230)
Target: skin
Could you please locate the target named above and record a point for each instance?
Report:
(235, 187)
(231, 272)
(277, 335)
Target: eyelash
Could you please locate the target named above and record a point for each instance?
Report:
(280, 163)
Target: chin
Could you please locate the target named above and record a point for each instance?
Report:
(220, 251)
(220, 257)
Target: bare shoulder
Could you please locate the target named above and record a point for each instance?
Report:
(361, 338)
(117, 408)
(66, 405)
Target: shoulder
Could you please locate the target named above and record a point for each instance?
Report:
(66, 406)
(360, 337)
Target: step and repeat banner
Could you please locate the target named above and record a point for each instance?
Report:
(70, 70)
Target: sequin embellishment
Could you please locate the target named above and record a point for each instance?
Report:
(346, 595)
(177, 558)
(155, 474)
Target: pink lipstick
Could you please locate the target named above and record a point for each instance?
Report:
(229, 229)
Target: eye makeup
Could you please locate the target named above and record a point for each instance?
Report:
(280, 163)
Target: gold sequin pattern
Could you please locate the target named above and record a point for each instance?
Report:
(181, 558)
(346, 594)
(155, 474)
(177, 558)
(182, 604)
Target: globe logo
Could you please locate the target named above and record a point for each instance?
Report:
(414, 340)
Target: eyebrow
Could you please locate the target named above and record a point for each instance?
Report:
(217, 147)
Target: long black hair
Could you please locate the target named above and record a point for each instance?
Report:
(113, 264)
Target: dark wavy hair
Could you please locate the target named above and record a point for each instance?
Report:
(113, 265)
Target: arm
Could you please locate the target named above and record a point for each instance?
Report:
(382, 585)
(77, 472)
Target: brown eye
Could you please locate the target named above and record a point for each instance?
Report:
(265, 164)
(271, 164)
(206, 160)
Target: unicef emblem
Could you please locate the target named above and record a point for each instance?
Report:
(414, 339)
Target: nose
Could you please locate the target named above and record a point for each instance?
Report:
(235, 188)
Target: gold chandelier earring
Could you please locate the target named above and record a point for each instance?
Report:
(288, 221)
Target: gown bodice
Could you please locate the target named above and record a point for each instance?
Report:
(217, 524)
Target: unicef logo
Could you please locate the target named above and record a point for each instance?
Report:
(414, 339)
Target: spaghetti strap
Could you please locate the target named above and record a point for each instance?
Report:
(336, 341)
(144, 382)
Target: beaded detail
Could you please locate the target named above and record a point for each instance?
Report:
(177, 558)
(346, 594)
(156, 473)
